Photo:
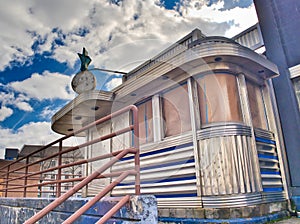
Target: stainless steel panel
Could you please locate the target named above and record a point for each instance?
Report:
(169, 172)
(263, 134)
(182, 202)
(236, 200)
(251, 38)
(224, 130)
(273, 197)
(226, 165)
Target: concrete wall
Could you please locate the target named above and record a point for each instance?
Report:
(140, 210)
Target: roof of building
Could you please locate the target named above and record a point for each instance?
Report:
(29, 149)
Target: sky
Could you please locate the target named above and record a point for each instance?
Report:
(40, 39)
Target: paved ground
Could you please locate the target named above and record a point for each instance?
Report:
(292, 220)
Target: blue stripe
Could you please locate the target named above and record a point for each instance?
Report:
(273, 189)
(158, 151)
(267, 156)
(263, 140)
(160, 181)
(176, 195)
(270, 172)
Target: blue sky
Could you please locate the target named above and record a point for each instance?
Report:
(40, 39)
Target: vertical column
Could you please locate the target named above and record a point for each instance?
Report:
(25, 177)
(7, 179)
(194, 123)
(137, 148)
(156, 110)
(248, 121)
(58, 177)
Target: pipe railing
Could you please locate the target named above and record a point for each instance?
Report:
(29, 177)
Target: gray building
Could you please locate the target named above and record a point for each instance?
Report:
(280, 26)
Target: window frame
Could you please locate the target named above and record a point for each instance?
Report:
(161, 99)
(148, 99)
(239, 106)
(262, 108)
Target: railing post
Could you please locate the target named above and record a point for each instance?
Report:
(7, 178)
(58, 177)
(25, 177)
(137, 148)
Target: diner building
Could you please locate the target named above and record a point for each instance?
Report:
(208, 123)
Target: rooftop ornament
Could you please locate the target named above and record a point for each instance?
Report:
(85, 60)
(84, 80)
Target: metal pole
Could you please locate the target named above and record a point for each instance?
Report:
(25, 177)
(7, 178)
(137, 148)
(58, 177)
(90, 203)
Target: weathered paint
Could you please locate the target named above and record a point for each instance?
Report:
(140, 210)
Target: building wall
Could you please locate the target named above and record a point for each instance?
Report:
(211, 161)
(31, 180)
(279, 22)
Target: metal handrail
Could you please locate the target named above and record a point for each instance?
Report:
(9, 173)
(82, 184)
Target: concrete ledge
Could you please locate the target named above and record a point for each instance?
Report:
(296, 205)
(261, 219)
(224, 213)
(141, 210)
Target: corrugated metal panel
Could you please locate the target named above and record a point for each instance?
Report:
(260, 133)
(224, 130)
(273, 197)
(168, 173)
(227, 166)
(251, 38)
(294, 71)
(188, 202)
(232, 200)
(269, 164)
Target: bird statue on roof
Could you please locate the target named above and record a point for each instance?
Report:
(85, 60)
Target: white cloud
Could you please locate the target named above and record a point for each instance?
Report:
(45, 86)
(24, 106)
(113, 83)
(48, 112)
(39, 86)
(239, 18)
(100, 26)
(117, 37)
(5, 112)
(34, 133)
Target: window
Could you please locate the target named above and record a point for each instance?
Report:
(145, 117)
(176, 110)
(257, 106)
(218, 98)
(296, 82)
(52, 163)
